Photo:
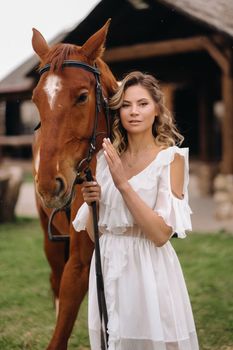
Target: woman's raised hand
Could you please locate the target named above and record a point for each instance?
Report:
(115, 165)
(91, 192)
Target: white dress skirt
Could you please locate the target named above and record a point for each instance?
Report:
(147, 300)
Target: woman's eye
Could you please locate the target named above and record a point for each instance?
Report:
(82, 98)
(124, 105)
(143, 104)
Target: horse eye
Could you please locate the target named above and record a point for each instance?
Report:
(82, 98)
(38, 126)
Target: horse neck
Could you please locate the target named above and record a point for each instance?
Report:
(108, 81)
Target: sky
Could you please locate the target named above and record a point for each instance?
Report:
(50, 17)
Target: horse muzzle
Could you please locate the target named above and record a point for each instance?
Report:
(54, 194)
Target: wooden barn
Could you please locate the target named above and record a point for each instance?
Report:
(186, 44)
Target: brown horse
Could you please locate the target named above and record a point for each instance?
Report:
(66, 99)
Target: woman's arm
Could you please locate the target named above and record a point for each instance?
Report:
(148, 220)
(153, 225)
(89, 224)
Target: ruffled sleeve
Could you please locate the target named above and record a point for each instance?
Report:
(175, 212)
(81, 218)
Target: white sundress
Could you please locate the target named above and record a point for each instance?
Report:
(146, 296)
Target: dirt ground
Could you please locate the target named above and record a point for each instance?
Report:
(202, 218)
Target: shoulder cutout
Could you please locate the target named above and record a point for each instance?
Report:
(177, 176)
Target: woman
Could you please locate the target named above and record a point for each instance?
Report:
(141, 189)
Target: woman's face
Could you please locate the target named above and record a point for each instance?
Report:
(138, 110)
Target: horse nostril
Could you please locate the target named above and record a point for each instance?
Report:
(60, 186)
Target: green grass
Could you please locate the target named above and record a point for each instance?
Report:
(27, 314)
(207, 261)
(28, 177)
(26, 309)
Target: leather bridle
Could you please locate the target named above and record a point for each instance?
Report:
(83, 172)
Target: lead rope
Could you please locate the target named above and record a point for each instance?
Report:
(98, 268)
(99, 276)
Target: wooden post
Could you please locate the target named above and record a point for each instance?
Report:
(13, 121)
(227, 124)
(204, 125)
(207, 143)
(168, 90)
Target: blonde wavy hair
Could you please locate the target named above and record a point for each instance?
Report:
(163, 128)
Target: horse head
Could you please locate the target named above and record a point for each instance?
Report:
(65, 97)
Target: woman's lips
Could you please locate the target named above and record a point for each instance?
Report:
(134, 121)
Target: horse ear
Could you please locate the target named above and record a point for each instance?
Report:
(94, 46)
(39, 44)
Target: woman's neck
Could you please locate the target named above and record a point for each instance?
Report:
(138, 144)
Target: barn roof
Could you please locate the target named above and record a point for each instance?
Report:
(136, 21)
(20, 78)
(215, 13)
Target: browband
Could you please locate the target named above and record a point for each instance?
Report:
(71, 63)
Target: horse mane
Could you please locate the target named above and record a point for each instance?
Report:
(62, 51)
(58, 54)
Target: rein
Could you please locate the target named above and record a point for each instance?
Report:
(84, 172)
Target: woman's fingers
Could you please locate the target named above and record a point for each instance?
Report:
(109, 147)
(89, 199)
(110, 152)
(114, 163)
(89, 183)
(91, 191)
